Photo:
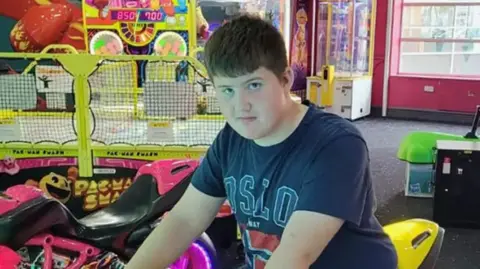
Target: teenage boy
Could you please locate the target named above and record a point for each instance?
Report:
(297, 178)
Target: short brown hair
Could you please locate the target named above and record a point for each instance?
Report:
(243, 45)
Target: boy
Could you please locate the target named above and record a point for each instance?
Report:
(297, 178)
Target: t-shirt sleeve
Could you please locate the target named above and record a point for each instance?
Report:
(336, 183)
(208, 176)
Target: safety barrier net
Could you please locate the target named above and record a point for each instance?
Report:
(37, 105)
(152, 102)
(129, 102)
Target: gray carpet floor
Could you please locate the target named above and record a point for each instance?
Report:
(461, 248)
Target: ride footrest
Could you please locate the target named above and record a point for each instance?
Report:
(106, 260)
(35, 258)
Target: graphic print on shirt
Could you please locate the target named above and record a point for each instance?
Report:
(249, 200)
(258, 247)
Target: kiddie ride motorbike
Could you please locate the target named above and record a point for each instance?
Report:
(40, 232)
(417, 242)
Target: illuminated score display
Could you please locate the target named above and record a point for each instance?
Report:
(137, 15)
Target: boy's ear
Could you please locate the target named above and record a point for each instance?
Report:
(288, 77)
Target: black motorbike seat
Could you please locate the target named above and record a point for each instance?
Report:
(133, 205)
(139, 203)
(16, 225)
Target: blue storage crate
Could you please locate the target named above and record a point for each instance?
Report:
(419, 180)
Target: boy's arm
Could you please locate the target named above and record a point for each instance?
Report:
(187, 220)
(190, 217)
(334, 192)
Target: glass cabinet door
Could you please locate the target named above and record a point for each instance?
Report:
(343, 36)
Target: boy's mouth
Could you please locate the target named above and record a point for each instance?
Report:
(246, 120)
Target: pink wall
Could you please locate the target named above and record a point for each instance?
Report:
(456, 95)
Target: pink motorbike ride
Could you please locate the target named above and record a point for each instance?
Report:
(40, 232)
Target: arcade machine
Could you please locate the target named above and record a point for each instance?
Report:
(342, 47)
(457, 166)
(140, 27)
(216, 12)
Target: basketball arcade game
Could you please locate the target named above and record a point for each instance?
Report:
(155, 102)
(154, 90)
(140, 27)
(342, 62)
(119, 141)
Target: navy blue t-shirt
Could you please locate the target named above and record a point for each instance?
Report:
(323, 166)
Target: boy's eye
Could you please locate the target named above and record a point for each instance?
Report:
(227, 90)
(254, 86)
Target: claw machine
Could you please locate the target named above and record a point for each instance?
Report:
(341, 80)
(216, 12)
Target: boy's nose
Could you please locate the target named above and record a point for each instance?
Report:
(243, 102)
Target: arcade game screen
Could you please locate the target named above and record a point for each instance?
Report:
(137, 27)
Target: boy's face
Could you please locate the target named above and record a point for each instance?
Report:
(253, 104)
